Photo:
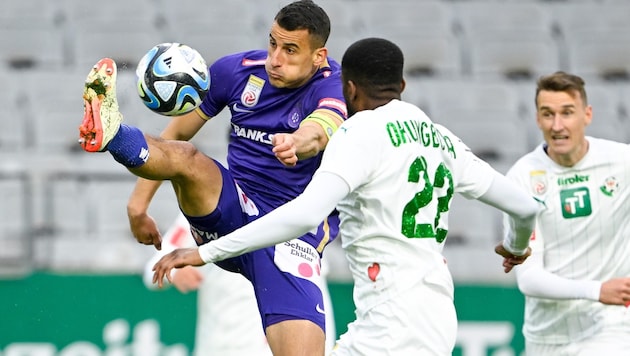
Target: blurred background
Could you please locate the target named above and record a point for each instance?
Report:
(69, 266)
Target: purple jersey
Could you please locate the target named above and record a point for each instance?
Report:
(286, 277)
(260, 110)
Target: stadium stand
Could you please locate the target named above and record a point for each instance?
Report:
(501, 54)
(53, 130)
(473, 223)
(624, 108)
(485, 115)
(67, 207)
(234, 27)
(194, 15)
(31, 34)
(346, 26)
(13, 126)
(462, 59)
(423, 30)
(474, 230)
(15, 220)
(123, 30)
(518, 43)
(607, 120)
(601, 54)
(595, 49)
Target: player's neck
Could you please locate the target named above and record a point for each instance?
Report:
(324, 64)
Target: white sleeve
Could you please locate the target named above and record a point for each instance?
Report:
(520, 208)
(285, 223)
(534, 281)
(473, 175)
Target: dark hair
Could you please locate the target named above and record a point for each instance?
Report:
(305, 15)
(375, 64)
(562, 81)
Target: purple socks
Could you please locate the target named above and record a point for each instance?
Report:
(129, 147)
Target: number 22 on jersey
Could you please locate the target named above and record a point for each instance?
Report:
(429, 229)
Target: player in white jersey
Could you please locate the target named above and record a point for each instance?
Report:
(578, 278)
(391, 173)
(227, 312)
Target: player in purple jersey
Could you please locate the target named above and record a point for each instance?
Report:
(285, 103)
(258, 111)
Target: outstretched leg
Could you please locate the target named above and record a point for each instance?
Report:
(195, 177)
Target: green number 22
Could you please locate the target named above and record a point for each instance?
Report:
(417, 171)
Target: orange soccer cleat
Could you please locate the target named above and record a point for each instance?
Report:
(101, 118)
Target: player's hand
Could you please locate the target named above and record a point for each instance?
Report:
(510, 260)
(145, 230)
(285, 149)
(616, 292)
(178, 258)
(187, 279)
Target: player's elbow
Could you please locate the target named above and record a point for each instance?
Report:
(524, 288)
(309, 222)
(532, 208)
(528, 210)
(525, 215)
(526, 281)
(530, 290)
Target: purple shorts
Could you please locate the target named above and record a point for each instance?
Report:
(286, 277)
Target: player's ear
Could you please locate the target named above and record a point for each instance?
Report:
(350, 90)
(320, 56)
(588, 114)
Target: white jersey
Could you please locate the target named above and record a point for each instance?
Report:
(402, 170)
(391, 173)
(582, 232)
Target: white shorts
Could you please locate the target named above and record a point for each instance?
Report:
(421, 321)
(227, 314)
(609, 342)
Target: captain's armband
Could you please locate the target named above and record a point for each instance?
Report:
(327, 120)
(202, 114)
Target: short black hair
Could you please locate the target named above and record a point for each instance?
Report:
(375, 64)
(305, 15)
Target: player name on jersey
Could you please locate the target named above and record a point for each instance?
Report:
(412, 131)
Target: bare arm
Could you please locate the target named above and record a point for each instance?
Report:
(284, 223)
(142, 225)
(308, 140)
(292, 219)
(184, 127)
(185, 279)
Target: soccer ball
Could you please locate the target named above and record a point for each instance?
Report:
(173, 79)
